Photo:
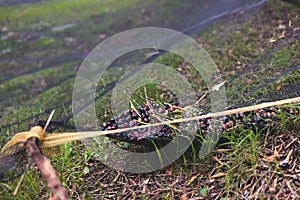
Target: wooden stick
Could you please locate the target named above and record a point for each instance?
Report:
(48, 172)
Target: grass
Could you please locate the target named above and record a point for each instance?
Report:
(246, 45)
(58, 12)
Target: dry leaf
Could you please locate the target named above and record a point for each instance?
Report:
(281, 26)
(272, 157)
(184, 197)
(169, 171)
(145, 182)
(218, 175)
(273, 186)
(179, 69)
(296, 28)
(116, 178)
(218, 86)
(281, 35)
(287, 161)
(219, 161)
(272, 40)
(193, 178)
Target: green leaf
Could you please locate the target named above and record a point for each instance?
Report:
(86, 170)
(203, 191)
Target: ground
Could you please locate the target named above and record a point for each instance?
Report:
(256, 51)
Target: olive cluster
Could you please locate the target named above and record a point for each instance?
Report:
(257, 118)
(142, 115)
(138, 117)
(204, 124)
(230, 121)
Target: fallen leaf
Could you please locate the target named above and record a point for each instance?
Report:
(273, 157)
(272, 40)
(281, 35)
(145, 182)
(184, 197)
(218, 175)
(169, 171)
(193, 178)
(116, 178)
(287, 161)
(273, 187)
(218, 86)
(219, 161)
(281, 26)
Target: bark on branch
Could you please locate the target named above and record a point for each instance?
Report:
(48, 172)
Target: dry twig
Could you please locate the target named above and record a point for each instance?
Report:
(48, 172)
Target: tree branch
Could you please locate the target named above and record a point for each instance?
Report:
(48, 172)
